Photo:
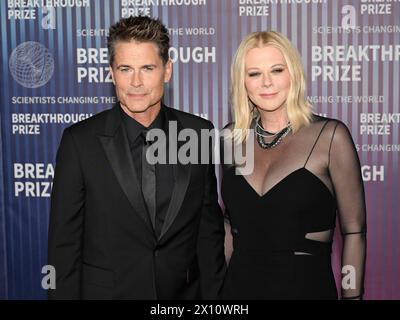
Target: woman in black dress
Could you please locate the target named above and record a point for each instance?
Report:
(305, 170)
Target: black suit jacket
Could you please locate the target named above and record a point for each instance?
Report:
(101, 239)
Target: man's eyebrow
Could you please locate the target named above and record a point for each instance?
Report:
(143, 66)
(149, 65)
(123, 66)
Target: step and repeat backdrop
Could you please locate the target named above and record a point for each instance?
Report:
(54, 73)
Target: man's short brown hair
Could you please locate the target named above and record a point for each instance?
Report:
(140, 29)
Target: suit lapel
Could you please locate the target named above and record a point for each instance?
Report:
(182, 178)
(116, 147)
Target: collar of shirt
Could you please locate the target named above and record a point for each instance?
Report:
(134, 128)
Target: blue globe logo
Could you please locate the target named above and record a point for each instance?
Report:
(31, 64)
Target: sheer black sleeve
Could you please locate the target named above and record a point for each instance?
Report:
(345, 172)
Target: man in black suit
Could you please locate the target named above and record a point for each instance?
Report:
(120, 226)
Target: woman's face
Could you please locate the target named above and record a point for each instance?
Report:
(267, 78)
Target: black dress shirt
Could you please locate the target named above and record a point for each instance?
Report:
(164, 172)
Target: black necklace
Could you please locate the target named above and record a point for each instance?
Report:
(261, 133)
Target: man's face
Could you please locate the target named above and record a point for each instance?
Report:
(139, 75)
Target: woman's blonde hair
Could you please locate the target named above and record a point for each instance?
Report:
(244, 111)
